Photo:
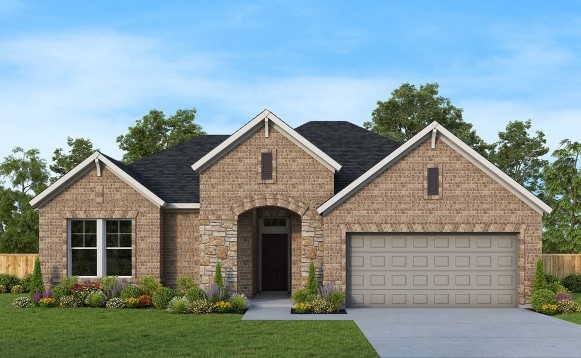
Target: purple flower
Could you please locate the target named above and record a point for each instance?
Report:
(46, 294)
(76, 287)
(36, 296)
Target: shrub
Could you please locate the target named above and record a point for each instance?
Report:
(312, 285)
(542, 297)
(556, 287)
(302, 308)
(336, 299)
(322, 305)
(201, 306)
(540, 279)
(215, 293)
(131, 291)
(222, 306)
(59, 291)
(36, 281)
(3, 289)
(149, 284)
(572, 283)
(302, 296)
(25, 282)
(550, 278)
(568, 306)
(195, 294)
(144, 301)
(550, 309)
(239, 302)
(115, 303)
(47, 302)
(332, 294)
(69, 281)
(70, 302)
(185, 283)
(161, 297)
(17, 289)
(8, 281)
(22, 302)
(96, 299)
(108, 284)
(178, 305)
(218, 280)
(131, 302)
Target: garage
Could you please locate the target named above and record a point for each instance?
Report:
(431, 270)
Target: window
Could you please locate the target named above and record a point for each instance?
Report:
(100, 247)
(274, 221)
(266, 168)
(433, 181)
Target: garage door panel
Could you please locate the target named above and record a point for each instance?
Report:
(431, 270)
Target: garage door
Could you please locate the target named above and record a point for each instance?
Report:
(385, 270)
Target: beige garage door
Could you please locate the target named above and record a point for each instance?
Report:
(385, 270)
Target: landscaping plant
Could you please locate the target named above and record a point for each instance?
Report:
(312, 285)
(36, 281)
(572, 283)
(218, 280)
(201, 307)
(8, 281)
(47, 302)
(25, 282)
(144, 301)
(17, 289)
(69, 281)
(108, 285)
(550, 309)
(161, 297)
(131, 291)
(239, 303)
(185, 283)
(3, 289)
(96, 299)
(149, 284)
(131, 302)
(22, 302)
(70, 302)
(115, 303)
(542, 297)
(540, 278)
(178, 305)
(59, 291)
(194, 294)
(215, 293)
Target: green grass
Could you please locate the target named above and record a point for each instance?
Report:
(101, 332)
(572, 317)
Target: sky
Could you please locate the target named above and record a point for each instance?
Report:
(91, 69)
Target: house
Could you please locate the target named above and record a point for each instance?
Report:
(428, 223)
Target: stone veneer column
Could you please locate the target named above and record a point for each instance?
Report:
(312, 247)
(218, 242)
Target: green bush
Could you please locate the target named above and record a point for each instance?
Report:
(69, 281)
(238, 303)
(178, 305)
(8, 281)
(215, 293)
(336, 299)
(550, 278)
(96, 299)
(36, 281)
(131, 291)
(161, 297)
(322, 305)
(540, 278)
(59, 291)
(556, 287)
(218, 280)
(3, 289)
(302, 296)
(572, 283)
(568, 306)
(195, 294)
(70, 302)
(108, 284)
(312, 285)
(201, 306)
(115, 303)
(542, 297)
(25, 282)
(185, 283)
(149, 284)
(22, 302)
(17, 289)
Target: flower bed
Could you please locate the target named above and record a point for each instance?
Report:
(326, 299)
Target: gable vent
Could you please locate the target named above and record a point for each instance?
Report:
(433, 181)
(266, 166)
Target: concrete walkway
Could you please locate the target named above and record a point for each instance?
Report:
(444, 332)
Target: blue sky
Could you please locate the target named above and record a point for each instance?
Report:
(91, 69)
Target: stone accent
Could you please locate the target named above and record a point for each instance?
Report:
(82, 200)
(180, 246)
(216, 239)
(471, 201)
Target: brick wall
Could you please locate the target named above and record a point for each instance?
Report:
(179, 251)
(471, 201)
(105, 197)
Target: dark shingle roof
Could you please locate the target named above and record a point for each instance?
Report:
(169, 174)
(355, 148)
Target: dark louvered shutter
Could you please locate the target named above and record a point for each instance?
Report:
(266, 166)
(433, 182)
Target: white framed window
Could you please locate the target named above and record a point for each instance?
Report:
(99, 247)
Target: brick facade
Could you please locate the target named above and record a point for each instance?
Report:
(179, 250)
(471, 201)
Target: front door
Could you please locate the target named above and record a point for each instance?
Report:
(274, 262)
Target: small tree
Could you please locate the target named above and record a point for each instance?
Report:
(540, 278)
(218, 280)
(312, 285)
(36, 281)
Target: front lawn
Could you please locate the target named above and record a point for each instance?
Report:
(572, 317)
(149, 332)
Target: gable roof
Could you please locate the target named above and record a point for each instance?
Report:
(470, 154)
(354, 147)
(264, 118)
(119, 169)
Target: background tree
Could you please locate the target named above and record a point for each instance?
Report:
(28, 176)
(520, 156)
(563, 192)
(409, 110)
(79, 150)
(154, 132)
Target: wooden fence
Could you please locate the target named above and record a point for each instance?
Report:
(562, 265)
(17, 264)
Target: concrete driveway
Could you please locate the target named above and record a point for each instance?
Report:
(467, 332)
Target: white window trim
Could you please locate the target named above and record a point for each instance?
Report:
(101, 247)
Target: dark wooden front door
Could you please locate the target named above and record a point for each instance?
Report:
(274, 262)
